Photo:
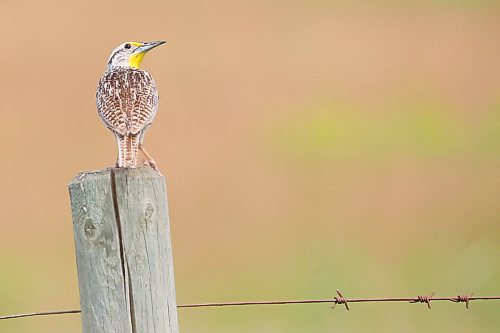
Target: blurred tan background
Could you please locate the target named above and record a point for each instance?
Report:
(308, 146)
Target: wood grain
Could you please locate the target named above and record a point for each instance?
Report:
(123, 251)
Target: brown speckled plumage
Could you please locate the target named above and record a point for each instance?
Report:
(127, 102)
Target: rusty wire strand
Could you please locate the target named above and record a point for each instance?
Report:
(336, 300)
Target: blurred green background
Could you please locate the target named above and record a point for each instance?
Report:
(308, 146)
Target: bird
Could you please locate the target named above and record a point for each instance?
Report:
(127, 101)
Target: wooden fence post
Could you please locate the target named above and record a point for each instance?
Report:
(123, 251)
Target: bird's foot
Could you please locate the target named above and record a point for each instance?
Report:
(114, 166)
(152, 164)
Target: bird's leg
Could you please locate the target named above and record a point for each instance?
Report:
(150, 161)
(116, 165)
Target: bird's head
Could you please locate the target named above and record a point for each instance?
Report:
(130, 54)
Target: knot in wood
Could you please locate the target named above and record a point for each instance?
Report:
(149, 210)
(89, 228)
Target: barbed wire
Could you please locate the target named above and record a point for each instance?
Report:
(339, 299)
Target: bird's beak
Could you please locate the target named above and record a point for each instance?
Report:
(145, 47)
(136, 56)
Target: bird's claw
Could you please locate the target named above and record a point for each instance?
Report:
(151, 164)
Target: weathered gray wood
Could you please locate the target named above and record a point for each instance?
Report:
(123, 251)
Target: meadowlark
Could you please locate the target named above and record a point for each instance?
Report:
(127, 101)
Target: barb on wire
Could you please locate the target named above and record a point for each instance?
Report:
(340, 300)
(462, 298)
(423, 299)
(336, 300)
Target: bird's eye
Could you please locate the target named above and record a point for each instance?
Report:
(127, 46)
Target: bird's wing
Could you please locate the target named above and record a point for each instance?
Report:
(127, 100)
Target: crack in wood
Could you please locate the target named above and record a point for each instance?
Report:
(132, 309)
(124, 264)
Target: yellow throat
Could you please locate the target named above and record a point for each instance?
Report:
(136, 58)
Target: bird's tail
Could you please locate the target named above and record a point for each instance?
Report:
(128, 147)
